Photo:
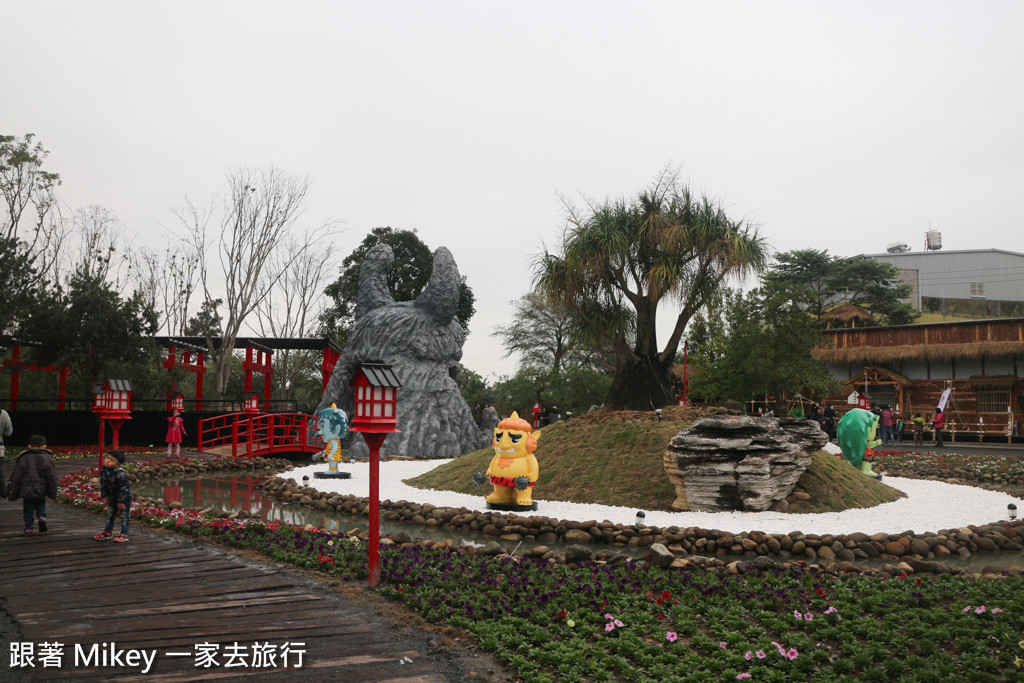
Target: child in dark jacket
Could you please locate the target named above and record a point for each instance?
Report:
(116, 492)
(33, 479)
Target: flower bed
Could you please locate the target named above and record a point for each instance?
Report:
(630, 620)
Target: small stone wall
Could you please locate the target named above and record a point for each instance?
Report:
(669, 546)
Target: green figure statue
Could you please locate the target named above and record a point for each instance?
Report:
(855, 434)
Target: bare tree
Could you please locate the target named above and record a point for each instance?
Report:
(168, 282)
(294, 304)
(103, 247)
(256, 218)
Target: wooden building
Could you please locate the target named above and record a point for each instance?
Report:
(909, 366)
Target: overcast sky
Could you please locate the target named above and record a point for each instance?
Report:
(839, 126)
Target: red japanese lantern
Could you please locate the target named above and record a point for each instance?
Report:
(251, 402)
(376, 399)
(176, 402)
(375, 415)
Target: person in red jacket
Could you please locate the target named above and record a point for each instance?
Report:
(33, 480)
(938, 422)
(175, 430)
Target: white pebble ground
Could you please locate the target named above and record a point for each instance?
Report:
(929, 505)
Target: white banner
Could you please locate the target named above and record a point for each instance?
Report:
(944, 398)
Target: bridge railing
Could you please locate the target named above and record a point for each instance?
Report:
(258, 434)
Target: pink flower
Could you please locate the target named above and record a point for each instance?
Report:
(965, 610)
(618, 623)
(608, 616)
(796, 613)
(808, 616)
(609, 626)
(760, 654)
(792, 654)
(980, 610)
(831, 609)
(671, 636)
(740, 677)
(748, 656)
(996, 610)
(723, 644)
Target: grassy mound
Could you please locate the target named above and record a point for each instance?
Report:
(833, 486)
(618, 459)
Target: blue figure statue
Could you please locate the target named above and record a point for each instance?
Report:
(333, 427)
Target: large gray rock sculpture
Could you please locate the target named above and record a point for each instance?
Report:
(740, 463)
(422, 342)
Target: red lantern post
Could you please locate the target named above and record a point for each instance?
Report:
(537, 410)
(375, 416)
(112, 401)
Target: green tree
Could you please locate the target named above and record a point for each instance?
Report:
(19, 282)
(475, 391)
(25, 186)
(545, 333)
(29, 201)
(573, 390)
(621, 259)
(93, 330)
(408, 277)
(757, 344)
(818, 281)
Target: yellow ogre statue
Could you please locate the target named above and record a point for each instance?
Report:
(513, 470)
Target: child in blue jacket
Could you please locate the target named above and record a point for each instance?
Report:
(117, 494)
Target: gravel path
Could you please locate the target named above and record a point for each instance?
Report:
(929, 505)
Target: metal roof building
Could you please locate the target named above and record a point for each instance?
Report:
(980, 275)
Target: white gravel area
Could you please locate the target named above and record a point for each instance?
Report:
(929, 505)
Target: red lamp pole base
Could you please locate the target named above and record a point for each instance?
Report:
(374, 441)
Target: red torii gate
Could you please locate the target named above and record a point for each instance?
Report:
(16, 365)
(258, 358)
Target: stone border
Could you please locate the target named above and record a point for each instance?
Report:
(671, 546)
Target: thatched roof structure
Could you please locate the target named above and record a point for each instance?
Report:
(847, 314)
(886, 354)
(930, 341)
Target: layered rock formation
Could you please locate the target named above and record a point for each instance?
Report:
(740, 463)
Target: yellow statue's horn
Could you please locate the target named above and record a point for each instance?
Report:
(514, 415)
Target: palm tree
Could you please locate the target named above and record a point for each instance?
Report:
(620, 259)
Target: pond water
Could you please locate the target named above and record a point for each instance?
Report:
(241, 493)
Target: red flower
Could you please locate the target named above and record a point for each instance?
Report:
(561, 614)
(400, 590)
(661, 616)
(666, 595)
(918, 582)
(821, 593)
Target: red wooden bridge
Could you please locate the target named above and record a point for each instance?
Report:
(250, 435)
